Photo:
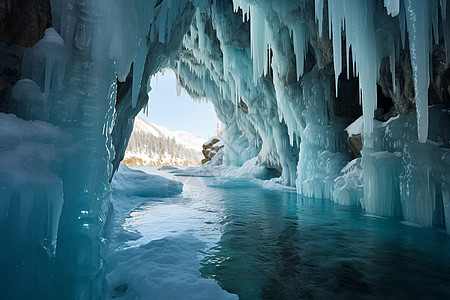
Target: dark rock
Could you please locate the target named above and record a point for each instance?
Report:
(243, 106)
(10, 72)
(217, 148)
(354, 144)
(3, 85)
(210, 149)
(24, 21)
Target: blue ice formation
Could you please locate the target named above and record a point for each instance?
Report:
(285, 77)
(289, 72)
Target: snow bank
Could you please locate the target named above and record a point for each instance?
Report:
(162, 269)
(136, 183)
(356, 127)
(132, 188)
(30, 157)
(31, 193)
(168, 266)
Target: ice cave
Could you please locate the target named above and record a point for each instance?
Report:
(334, 179)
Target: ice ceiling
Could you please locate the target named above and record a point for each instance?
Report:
(286, 78)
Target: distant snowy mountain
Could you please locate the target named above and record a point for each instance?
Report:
(153, 145)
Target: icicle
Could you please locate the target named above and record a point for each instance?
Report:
(402, 23)
(443, 9)
(392, 6)
(418, 33)
(336, 29)
(319, 14)
(434, 9)
(258, 42)
(138, 68)
(178, 84)
(392, 63)
(201, 30)
(236, 95)
(367, 70)
(162, 26)
(349, 64)
(244, 7)
(300, 47)
(361, 37)
(329, 19)
(446, 30)
(48, 75)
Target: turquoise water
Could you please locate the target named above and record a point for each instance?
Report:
(273, 244)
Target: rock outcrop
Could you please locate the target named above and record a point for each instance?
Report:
(211, 148)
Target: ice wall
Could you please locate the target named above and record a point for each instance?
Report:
(70, 80)
(68, 84)
(31, 193)
(279, 77)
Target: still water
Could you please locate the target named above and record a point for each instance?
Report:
(273, 244)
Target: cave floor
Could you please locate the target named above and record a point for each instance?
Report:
(270, 243)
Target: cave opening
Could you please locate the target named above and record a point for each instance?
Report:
(172, 128)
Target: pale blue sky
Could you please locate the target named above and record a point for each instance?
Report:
(179, 113)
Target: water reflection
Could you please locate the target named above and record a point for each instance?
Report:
(278, 246)
(272, 244)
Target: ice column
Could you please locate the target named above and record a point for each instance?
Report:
(417, 17)
(381, 183)
(417, 187)
(392, 7)
(358, 19)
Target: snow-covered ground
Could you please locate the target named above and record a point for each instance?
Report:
(163, 266)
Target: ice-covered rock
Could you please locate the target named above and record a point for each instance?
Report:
(211, 148)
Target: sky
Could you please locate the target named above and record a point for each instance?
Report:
(179, 113)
